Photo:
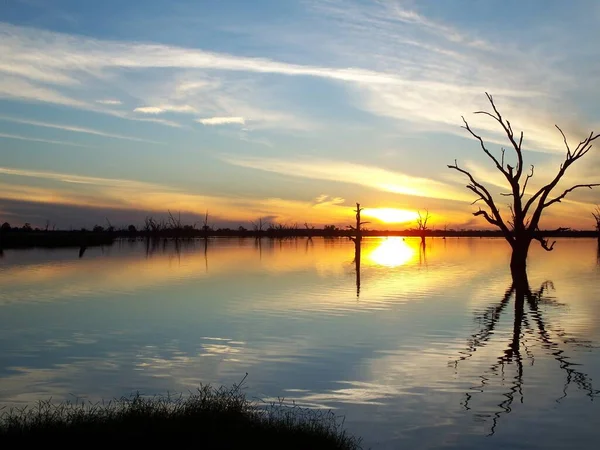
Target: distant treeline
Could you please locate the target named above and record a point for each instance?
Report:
(26, 236)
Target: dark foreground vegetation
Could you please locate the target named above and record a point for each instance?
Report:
(213, 418)
(54, 239)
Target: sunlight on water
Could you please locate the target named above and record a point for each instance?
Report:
(418, 346)
(392, 252)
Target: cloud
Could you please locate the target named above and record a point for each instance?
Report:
(443, 71)
(48, 49)
(76, 129)
(15, 88)
(221, 120)
(344, 172)
(149, 110)
(109, 102)
(132, 195)
(396, 92)
(326, 200)
(47, 141)
(165, 108)
(79, 179)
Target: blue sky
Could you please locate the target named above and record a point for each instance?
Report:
(287, 110)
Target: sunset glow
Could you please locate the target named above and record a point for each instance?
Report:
(390, 215)
(292, 132)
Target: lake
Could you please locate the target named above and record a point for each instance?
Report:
(419, 348)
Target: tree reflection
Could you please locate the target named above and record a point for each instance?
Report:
(356, 262)
(423, 253)
(528, 321)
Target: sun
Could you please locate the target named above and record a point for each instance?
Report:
(390, 215)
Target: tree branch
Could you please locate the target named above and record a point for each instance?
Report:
(564, 194)
(530, 175)
(582, 148)
(487, 217)
(565, 141)
(487, 152)
(509, 132)
(544, 242)
(485, 195)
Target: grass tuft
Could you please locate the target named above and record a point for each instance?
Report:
(215, 418)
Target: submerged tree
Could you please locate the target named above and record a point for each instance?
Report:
(357, 229)
(596, 214)
(422, 224)
(523, 225)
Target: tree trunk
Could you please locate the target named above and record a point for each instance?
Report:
(357, 265)
(518, 260)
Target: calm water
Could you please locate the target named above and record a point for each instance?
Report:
(425, 353)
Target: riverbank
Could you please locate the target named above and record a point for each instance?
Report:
(214, 418)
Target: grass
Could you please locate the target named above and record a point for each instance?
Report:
(214, 418)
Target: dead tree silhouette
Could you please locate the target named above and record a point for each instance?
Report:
(357, 239)
(528, 323)
(525, 210)
(358, 228)
(422, 225)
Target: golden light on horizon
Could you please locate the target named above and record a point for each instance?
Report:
(392, 252)
(390, 215)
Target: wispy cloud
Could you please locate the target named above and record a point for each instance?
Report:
(325, 200)
(442, 71)
(109, 102)
(47, 141)
(45, 48)
(21, 89)
(123, 194)
(221, 120)
(149, 110)
(165, 108)
(344, 172)
(76, 129)
(409, 89)
(80, 179)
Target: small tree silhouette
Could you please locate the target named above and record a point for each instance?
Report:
(596, 214)
(357, 229)
(422, 224)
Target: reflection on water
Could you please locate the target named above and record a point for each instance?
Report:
(392, 252)
(529, 330)
(164, 315)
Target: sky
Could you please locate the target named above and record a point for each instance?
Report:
(289, 110)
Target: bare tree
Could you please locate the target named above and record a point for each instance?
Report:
(525, 210)
(206, 227)
(258, 226)
(357, 229)
(175, 222)
(422, 224)
(596, 214)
